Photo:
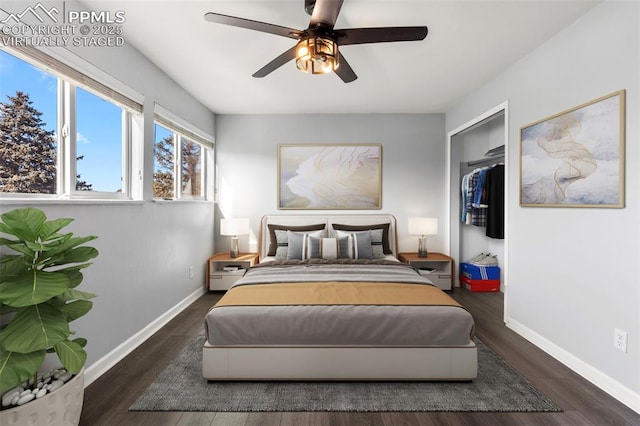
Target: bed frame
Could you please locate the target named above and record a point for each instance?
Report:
(338, 363)
(300, 220)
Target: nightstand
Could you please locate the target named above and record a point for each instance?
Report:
(220, 279)
(437, 267)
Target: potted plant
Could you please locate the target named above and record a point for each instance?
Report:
(40, 270)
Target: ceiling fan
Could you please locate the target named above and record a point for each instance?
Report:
(316, 51)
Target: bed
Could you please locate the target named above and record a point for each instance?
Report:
(340, 311)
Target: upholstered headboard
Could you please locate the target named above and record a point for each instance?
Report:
(329, 220)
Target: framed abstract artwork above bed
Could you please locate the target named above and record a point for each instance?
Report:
(330, 176)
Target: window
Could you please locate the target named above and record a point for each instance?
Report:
(75, 141)
(98, 144)
(172, 148)
(191, 159)
(28, 122)
(65, 135)
(164, 163)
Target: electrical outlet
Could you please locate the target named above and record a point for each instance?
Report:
(620, 340)
(190, 272)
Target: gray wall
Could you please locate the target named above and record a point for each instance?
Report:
(146, 248)
(413, 164)
(573, 273)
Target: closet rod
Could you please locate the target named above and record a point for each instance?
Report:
(485, 160)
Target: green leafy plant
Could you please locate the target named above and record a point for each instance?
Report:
(39, 274)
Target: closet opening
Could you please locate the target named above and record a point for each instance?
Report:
(479, 147)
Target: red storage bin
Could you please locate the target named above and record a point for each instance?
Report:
(479, 285)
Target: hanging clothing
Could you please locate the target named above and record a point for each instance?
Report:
(478, 214)
(473, 213)
(465, 212)
(471, 184)
(495, 201)
(482, 193)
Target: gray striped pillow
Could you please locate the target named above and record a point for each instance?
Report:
(374, 236)
(328, 248)
(284, 251)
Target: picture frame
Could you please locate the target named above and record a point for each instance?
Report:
(329, 176)
(575, 158)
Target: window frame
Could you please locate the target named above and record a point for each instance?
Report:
(68, 80)
(174, 168)
(180, 129)
(180, 182)
(71, 144)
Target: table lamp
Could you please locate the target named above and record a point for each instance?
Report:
(234, 227)
(423, 226)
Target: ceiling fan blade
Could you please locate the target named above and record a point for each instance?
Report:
(276, 63)
(344, 70)
(325, 12)
(252, 25)
(380, 35)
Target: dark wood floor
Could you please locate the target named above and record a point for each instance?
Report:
(108, 398)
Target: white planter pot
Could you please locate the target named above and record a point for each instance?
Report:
(60, 407)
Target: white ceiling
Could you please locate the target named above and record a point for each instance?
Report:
(469, 43)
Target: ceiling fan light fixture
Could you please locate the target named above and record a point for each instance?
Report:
(317, 55)
(316, 48)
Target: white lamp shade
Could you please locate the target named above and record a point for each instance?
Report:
(234, 226)
(423, 226)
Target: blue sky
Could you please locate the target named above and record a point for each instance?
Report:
(99, 128)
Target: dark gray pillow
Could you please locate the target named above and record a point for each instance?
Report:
(273, 243)
(386, 246)
(315, 248)
(344, 251)
(376, 241)
(359, 244)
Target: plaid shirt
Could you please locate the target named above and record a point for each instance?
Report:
(478, 214)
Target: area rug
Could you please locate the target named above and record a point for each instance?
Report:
(498, 388)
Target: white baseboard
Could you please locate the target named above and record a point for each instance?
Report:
(614, 388)
(98, 368)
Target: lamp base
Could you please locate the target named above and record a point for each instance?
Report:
(422, 247)
(234, 252)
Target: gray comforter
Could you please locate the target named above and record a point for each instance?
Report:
(374, 270)
(337, 325)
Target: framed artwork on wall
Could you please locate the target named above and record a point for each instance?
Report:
(575, 158)
(330, 176)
